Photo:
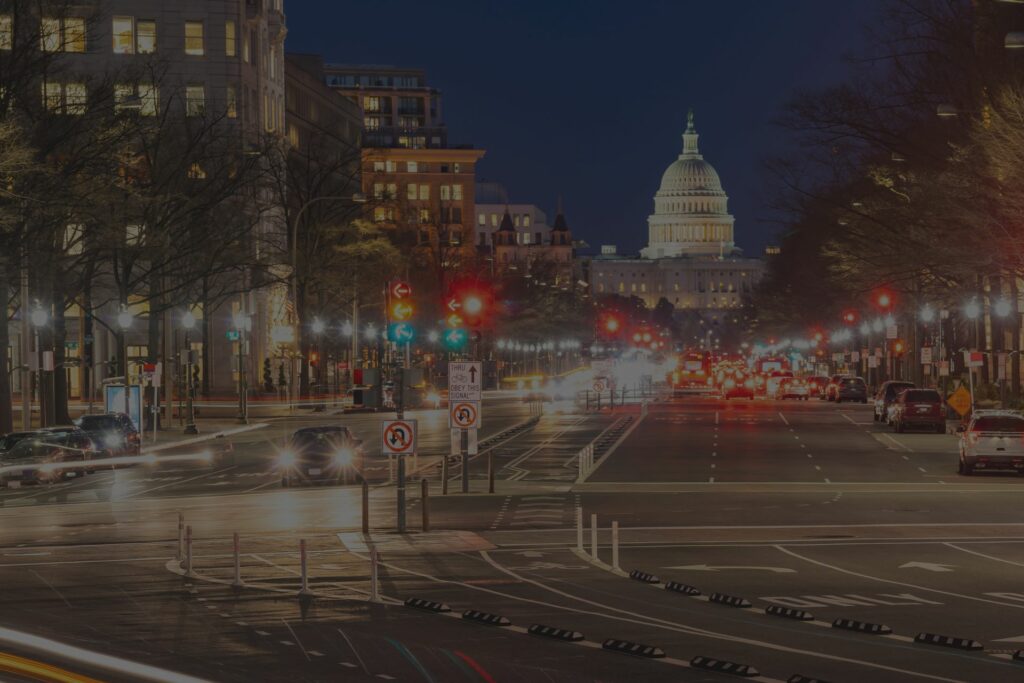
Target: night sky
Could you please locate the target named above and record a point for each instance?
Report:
(587, 98)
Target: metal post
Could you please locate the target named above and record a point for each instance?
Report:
(490, 471)
(188, 552)
(579, 529)
(374, 581)
(582, 464)
(615, 545)
(444, 475)
(593, 535)
(190, 427)
(464, 449)
(181, 538)
(303, 570)
(400, 497)
(366, 507)
(26, 354)
(237, 582)
(425, 503)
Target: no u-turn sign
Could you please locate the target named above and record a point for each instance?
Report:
(398, 437)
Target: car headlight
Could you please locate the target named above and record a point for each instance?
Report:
(286, 459)
(343, 457)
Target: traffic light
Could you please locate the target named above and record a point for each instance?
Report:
(899, 347)
(401, 310)
(314, 357)
(850, 317)
(454, 320)
(455, 339)
(401, 333)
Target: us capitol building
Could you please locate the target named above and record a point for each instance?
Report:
(690, 259)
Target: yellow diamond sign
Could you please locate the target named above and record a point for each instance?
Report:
(960, 400)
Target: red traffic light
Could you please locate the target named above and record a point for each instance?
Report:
(850, 317)
(401, 290)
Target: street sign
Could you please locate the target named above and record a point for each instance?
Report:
(960, 400)
(401, 333)
(974, 359)
(838, 356)
(464, 381)
(943, 368)
(891, 332)
(599, 384)
(872, 361)
(401, 290)
(454, 320)
(926, 355)
(464, 415)
(398, 437)
(232, 335)
(854, 356)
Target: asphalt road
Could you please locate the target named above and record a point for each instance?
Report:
(808, 506)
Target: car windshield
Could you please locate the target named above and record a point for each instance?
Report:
(34, 447)
(318, 439)
(895, 388)
(922, 396)
(8, 442)
(1002, 423)
(95, 423)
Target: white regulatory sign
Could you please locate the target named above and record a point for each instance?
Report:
(464, 415)
(464, 380)
(398, 437)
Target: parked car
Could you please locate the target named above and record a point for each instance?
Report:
(852, 389)
(738, 386)
(794, 388)
(919, 408)
(322, 454)
(9, 441)
(832, 388)
(816, 385)
(113, 433)
(47, 457)
(886, 396)
(992, 441)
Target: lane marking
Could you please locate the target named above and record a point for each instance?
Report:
(988, 557)
(896, 443)
(205, 475)
(784, 420)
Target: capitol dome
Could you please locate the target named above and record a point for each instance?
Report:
(691, 214)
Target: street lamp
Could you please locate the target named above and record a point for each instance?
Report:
(40, 318)
(188, 321)
(927, 313)
(124, 321)
(346, 328)
(241, 323)
(318, 330)
(1002, 308)
(972, 309)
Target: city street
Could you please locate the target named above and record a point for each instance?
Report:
(810, 506)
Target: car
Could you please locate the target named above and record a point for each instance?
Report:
(832, 388)
(886, 396)
(919, 408)
(738, 386)
(330, 453)
(8, 441)
(852, 389)
(114, 434)
(992, 442)
(47, 457)
(774, 382)
(793, 388)
(816, 386)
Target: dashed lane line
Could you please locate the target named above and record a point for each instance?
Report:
(987, 557)
(784, 420)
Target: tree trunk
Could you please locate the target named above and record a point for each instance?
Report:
(6, 408)
(59, 400)
(303, 340)
(207, 336)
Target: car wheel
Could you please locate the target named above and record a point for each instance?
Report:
(874, 416)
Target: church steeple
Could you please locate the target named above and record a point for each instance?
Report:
(690, 150)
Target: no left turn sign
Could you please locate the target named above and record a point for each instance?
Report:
(398, 437)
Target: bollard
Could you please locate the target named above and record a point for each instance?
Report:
(615, 546)
(374, 590)
(391, 468)
(582, 464)
(425, 503)
(444, 476)
(188, 552)
(237, 582)
(579, 529)
(366, 507)
(303, 573)
(593, 535)
(181, 538)
(490, 471)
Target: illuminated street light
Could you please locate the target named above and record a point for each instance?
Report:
(434, 335)
(370, 333)
(972, 310)
(1002, 308)
(124, 320)
(884, 300)
(346, 328)
(889, 321)
(865, 329)
(318, 326)
(188, 320)
(927, 313)
(39, 317)
(877, 325)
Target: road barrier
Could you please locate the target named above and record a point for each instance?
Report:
(236, 551)
(585, 460)
(428, 605)
(948, 641)
(862, 626)
(485, 618)
(788, 613)
(722, 666)
(631, 648)
(644, 577)
(729, 600)
(553, 632)
(683, 588)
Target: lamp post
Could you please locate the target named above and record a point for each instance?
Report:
(124, 321)
(242, 322)
(318, 330)
(39, 319)
(188, 321)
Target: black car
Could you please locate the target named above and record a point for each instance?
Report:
(330, 454)
(48, 457)
(113, 433)
(852, 389)
(9, 441)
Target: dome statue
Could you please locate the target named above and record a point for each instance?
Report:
(691, 214)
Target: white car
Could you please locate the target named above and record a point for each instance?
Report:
(992, 441)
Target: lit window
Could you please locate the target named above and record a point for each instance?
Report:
(49, 35)
(73, 234)
(382, 214)
(412, 167)
(293, 135)
(378, 166)
(392, 190)
(371, 122)
(232, 102)
(145, 39)
(424, 215)
(52, 97)
(457, 192)
(455, 237)
(424, 191)
(194, 38)
(121, 94)
(196, 172)
(482, 219)
(494, 220)
(74, 34)
(124, 35)
(378, 190)
(526, 219)
(446, 192)
(230, 39)
(133, 235)
(371, 103)
(455, 168)
(74, 98)
(411, 191)
(195, 100)
(6, 32)
(391, 166)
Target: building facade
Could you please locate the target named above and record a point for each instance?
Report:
(691, 258)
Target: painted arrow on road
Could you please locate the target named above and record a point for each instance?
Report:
(709, 568)
(929, 566)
